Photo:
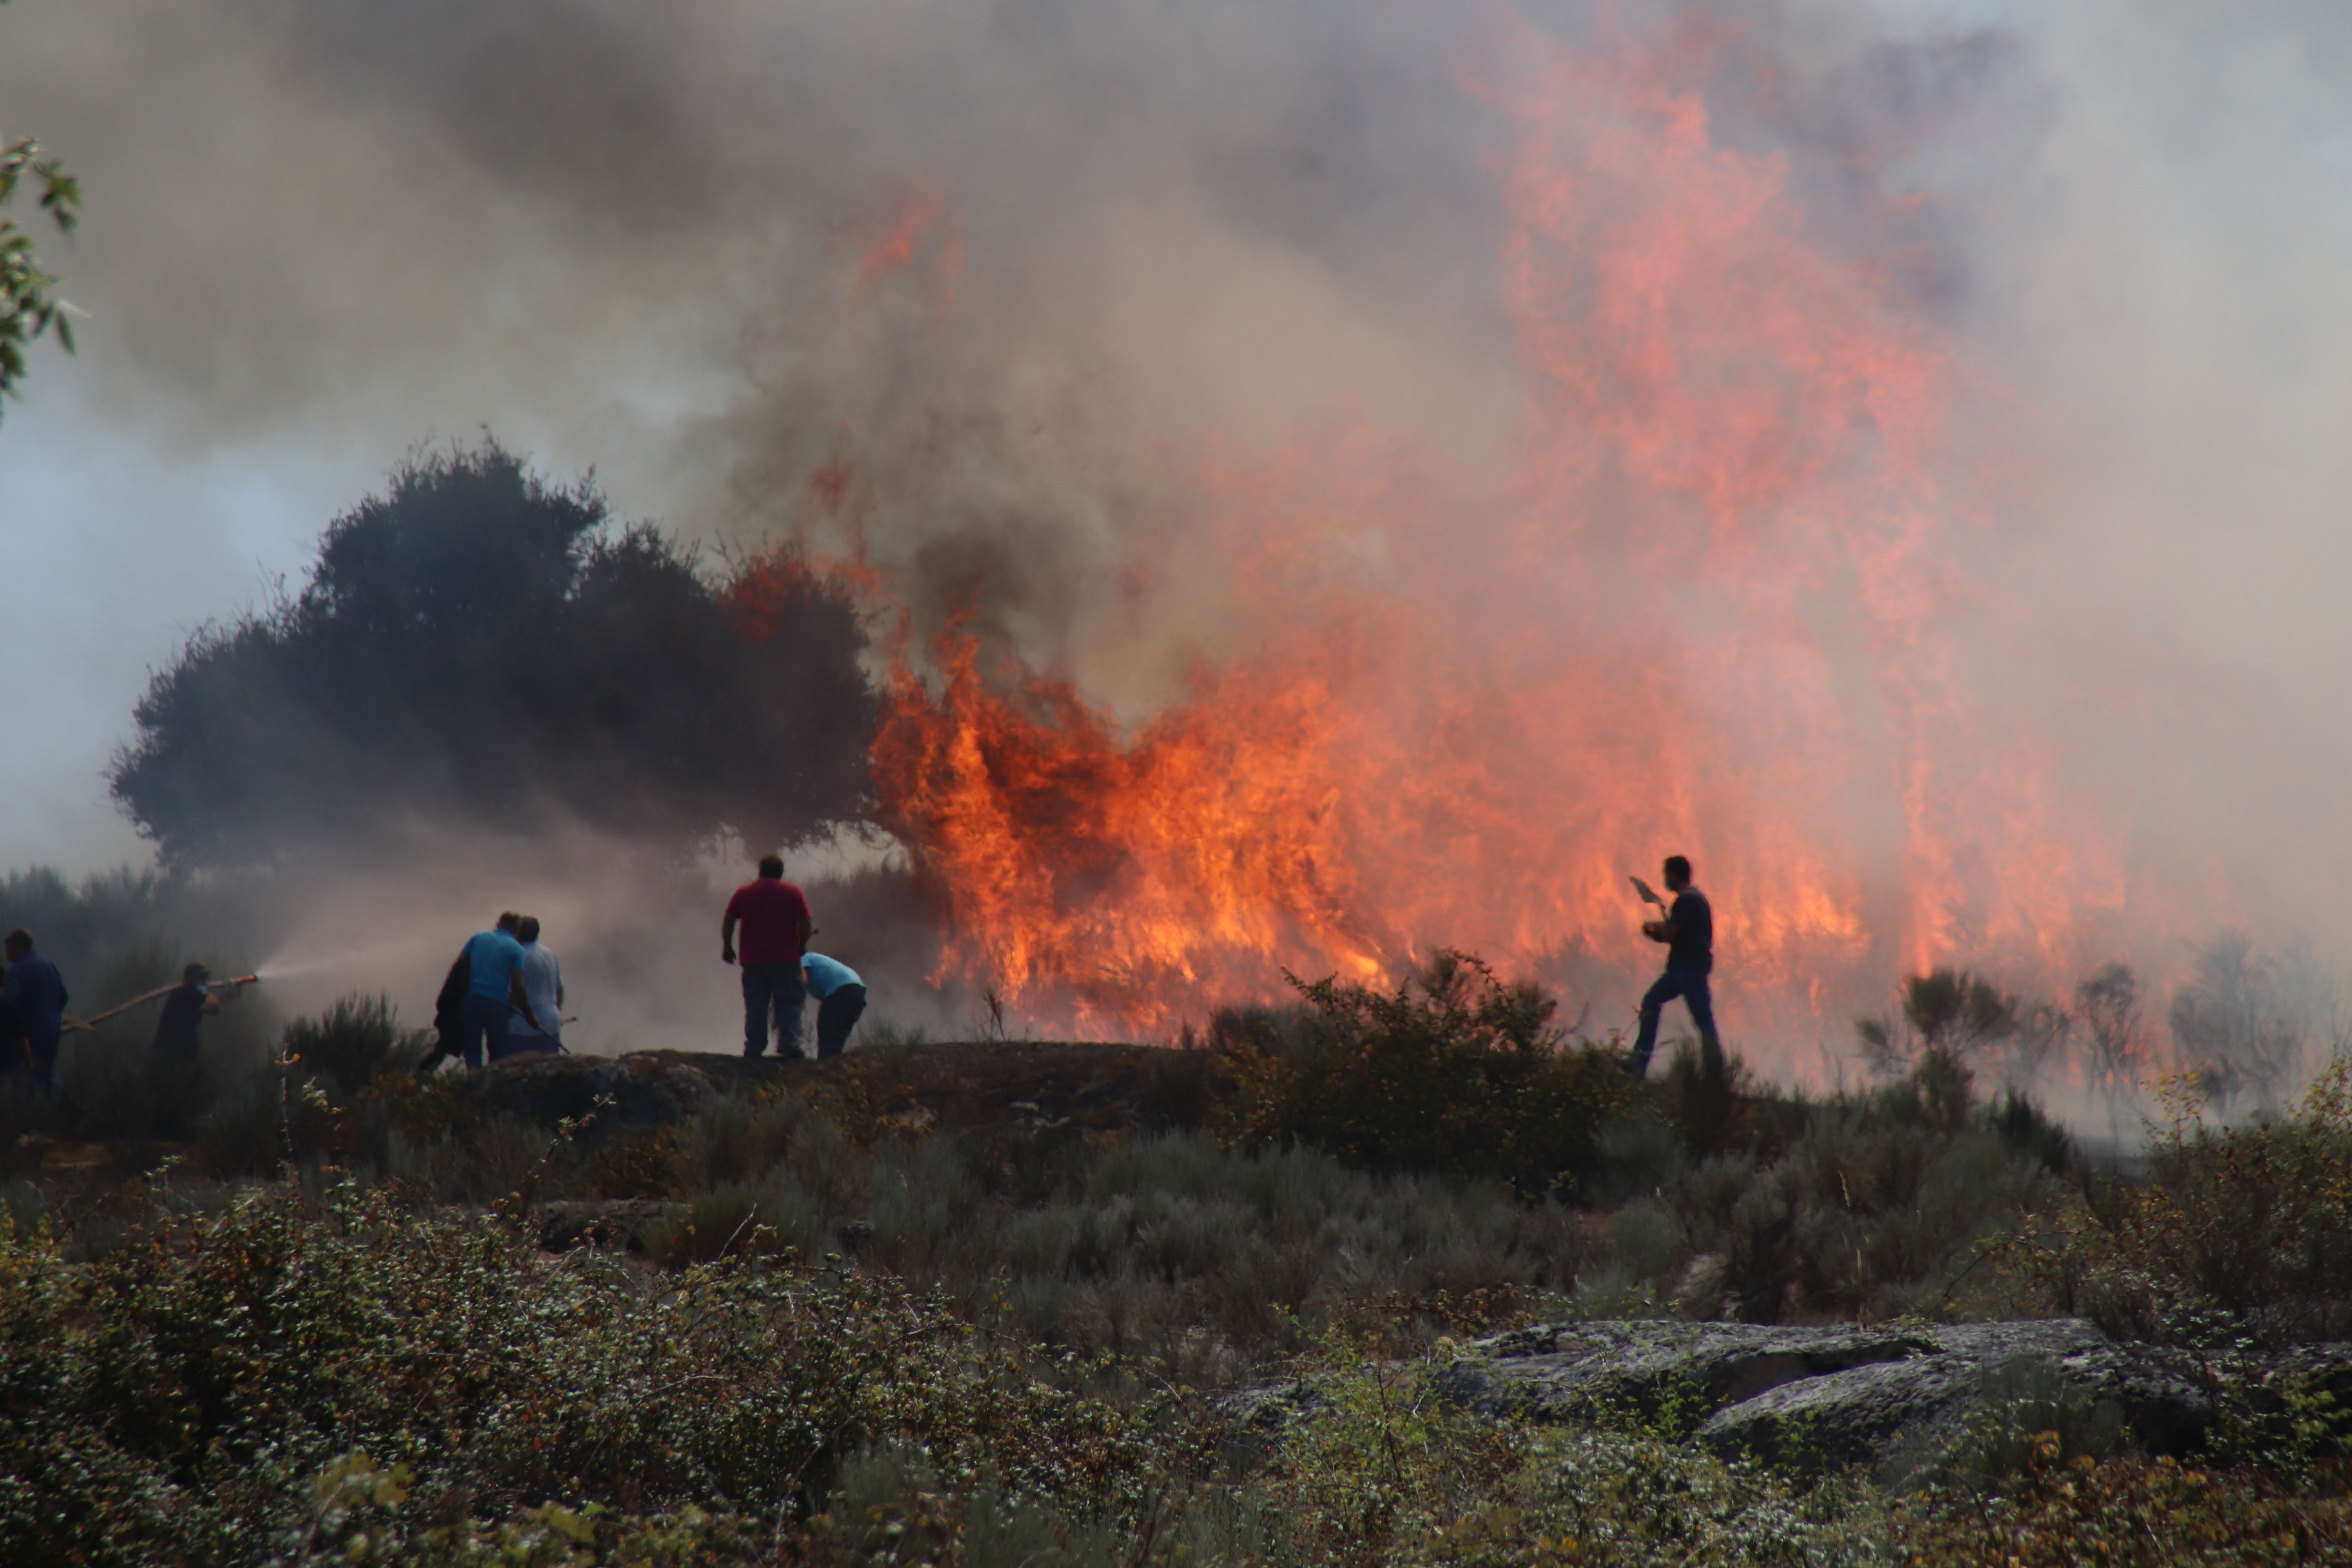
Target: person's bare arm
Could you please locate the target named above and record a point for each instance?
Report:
(1661, 931)
(808, 930)
(727, 937)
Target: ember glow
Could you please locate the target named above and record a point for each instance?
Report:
(1716, 608)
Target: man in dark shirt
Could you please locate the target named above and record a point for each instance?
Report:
(38, 991)
(1689, 932)
(775, 915)
(180, 1027)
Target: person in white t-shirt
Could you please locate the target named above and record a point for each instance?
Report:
(542, 981)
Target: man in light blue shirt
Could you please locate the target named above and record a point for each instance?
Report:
(840, 999)
(496, 994)
(541, 1032)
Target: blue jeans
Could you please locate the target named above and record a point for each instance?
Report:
(482, 1020)
(1691, 985)
(776, 987)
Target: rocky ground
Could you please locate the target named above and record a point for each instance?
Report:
(1886, 1398)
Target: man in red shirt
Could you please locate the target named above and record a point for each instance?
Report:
(775, 915)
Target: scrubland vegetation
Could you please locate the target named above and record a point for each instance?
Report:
(350, 1317)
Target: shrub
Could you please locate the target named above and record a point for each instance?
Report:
(1386, 1471)
(1876, 1208)
(352, 1041)
(2127, 1511)
(175, 1400)
(1454, 1071)
(2240, 1233)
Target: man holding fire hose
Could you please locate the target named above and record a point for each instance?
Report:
(181, 1024)
(1688, 933)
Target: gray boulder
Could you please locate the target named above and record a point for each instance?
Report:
(1888, 1398)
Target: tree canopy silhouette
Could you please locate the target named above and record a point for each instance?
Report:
(476, 643)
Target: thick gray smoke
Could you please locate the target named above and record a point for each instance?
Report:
(653, 239)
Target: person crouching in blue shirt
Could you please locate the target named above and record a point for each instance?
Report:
(840, 1000)
(496, 993)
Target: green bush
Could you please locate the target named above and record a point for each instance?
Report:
(176, 1400)
(1453, 1072)
(268, 1377)
(2239, 1234)
(352, 1041)
(2127, 1511)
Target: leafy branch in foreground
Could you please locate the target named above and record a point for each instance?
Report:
(29, 305)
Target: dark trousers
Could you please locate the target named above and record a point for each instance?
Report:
(519, 1044)
(482, 1021)
(836, 1017)
(777, 988)
(43, 1079)
(1691, 985)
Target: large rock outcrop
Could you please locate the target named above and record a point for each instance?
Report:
(1816, 1399)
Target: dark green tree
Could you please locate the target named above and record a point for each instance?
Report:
(478, 646)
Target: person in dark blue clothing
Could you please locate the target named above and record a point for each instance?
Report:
(1688, 933)
(15, 1051)
(450, 1015)
(38, 991)
(179, 1029)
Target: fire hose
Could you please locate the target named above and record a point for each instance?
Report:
(95, 1019)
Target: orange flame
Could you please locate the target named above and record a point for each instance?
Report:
(1723, 620)
(897, 240)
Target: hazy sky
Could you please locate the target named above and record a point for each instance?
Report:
(321, 231)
